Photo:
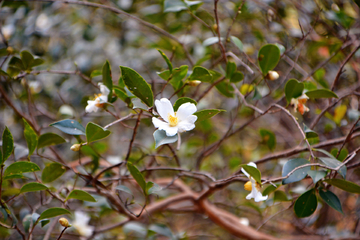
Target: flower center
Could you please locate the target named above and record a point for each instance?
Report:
(173, 120)
(248, 186)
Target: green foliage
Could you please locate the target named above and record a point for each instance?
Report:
(293, 89)
(316, 175)
(69, 126)
(237, 43)
(298, 174)
(309, 133)
(201, 74)
(268, 58)
(30, 137)
(321, 93)
(21, 167)
(94, 132)
(269, 138)
(334, 163)
(80, 195)
(53, 212)
(107, 78)
(252, 171)
(7, 145)
(136, 174)
(181, 101)
(167, 60)
(49, 139)
(331, 199)
(32, 187)
(52, 172)
(206, 114)
(161, 138)
(344, 185)
(178, 5)
(306, 204)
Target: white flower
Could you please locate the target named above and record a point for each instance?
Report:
(174, 122)
(100, 99)
(299, 104)
(81, 224)
(253, 186)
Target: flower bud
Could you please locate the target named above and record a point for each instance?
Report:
(10, 50)
(75, 147)
(272, 75)
(64, 222)
(194, 83)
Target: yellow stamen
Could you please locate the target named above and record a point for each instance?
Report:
(173, 120)
(248, 186)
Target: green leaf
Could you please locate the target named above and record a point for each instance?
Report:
(69, 126)
(334, 163)
(206, 114)
(32, 187)
(293, 89)
(211, 40)
(51, 172)
(280, 196)
(161, 138)
(306, 204)
(253, 172)
(94, 132)
(298, 174)
(106, 77)
(27, 59)
(37, 62)
(136, 174)
(21, 167)
(237, 77)
(12, 4)
(331, 199)
(14, 176)
(268, 57)
(123, 96)
(225, 89)
(95, 73)
(80, 195)
(201, 74)
(178, 5)
(137, 85)
(7, 144)
(49, 139)
(269, 138)
(53, 212)
(170, 66)
(30, 137)
(181, 101)
(339, 113)
(269, 189)
(316, 175)
(309, 133)
(230, 69)
(124, 189)
(321, 93)
(237, 43)
(152, 188)
(344, 185)
(343, 154)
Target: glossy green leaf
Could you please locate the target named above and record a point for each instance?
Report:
(167, 60)
(32, 187)
(13, 176)
(343, 154)
(293, 89)
(306, 204)
(334, 163)
(136, 174)
(161, 138)
(280, 196)
(269, 189)
(230, 69)
(124, 189)
(80, 195)
(269, 138)
(206, 114)
(344, 185)
(69, 126)
(49, 139)
(53, 212)
(201, 74)
(94, 132)
(52, 172)
(27, 59)
(7, 144)
(21, 167)
(95, 73)
(331, 199)
(107, 78)
(30, 137)
(181, 101)
(237, 43)
(268, 57)
(321, 93)
(225, 89)
(237, 77)
(252, 171)
(16, 62)
(316, 175)
(152, 188)
(309, 133)
(123, 96)
(298, 174)
(137, 85)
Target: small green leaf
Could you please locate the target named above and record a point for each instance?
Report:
(309, 133)
(49, 139)
(298, 174)
(7, 144)
(94, 132)
(30, 137)
(37, 62)
(27, 59)
(280, 196)
(152, 188)
(339, 113)
(21, 167)
(69, 126)
(52, 171)
(201, 74)
(306, 204)
(136, 174)
(293, 89)
(269, 138)
(161, 138)
(237, 43)
(14, 176)
(331, 199)
(344, 185)
(123, 96)
(16, 62)
(321, 93)
(253, 172)
(32, 187)
(334, 163)
(167, 61)
(343, 153)
(95, 73)
(225, 89)
(107, 78)
(181, 101)
(230, 69)
(53, 212)
(269, 189)
(316, 175)
(268, 57)
(237, 77)
(206, 114)
(80, 195)
(124, 189)
(137, 85)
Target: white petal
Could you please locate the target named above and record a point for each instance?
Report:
(91, 107)
(185, 126)
(170, 131)
(103, 89)
(303, 96)
(185, 110)
(259, 197)
(164, 108)
(103, 98)
(252, 164)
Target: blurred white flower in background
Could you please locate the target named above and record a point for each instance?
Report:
(81, 225)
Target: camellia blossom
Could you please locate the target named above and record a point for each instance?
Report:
(81, 224)
(299, 104)
(174, 122)
(253, 186)
(99, 101)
